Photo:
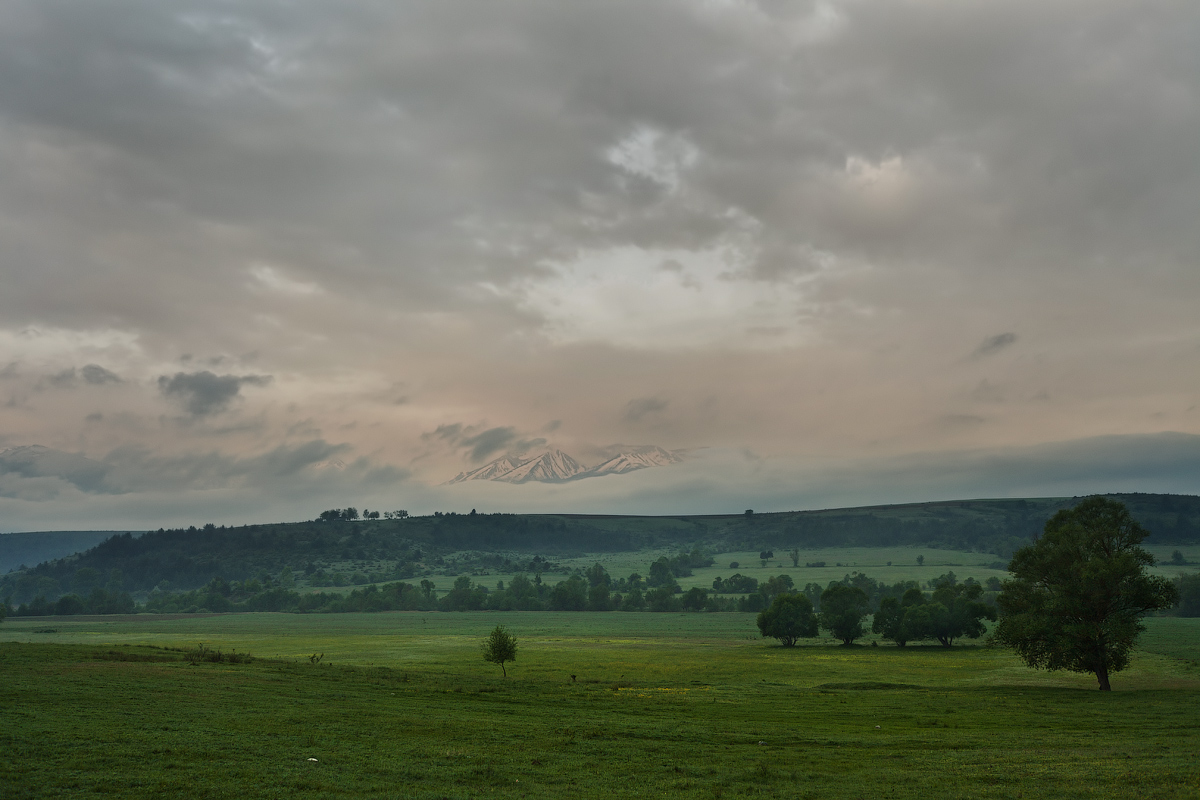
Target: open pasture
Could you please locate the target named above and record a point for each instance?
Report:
(402, 705)
(886, 564)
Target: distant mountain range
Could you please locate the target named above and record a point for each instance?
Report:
(555, 466)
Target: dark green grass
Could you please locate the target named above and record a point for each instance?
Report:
(660, 705)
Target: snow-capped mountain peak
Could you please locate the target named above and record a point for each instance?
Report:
(555, 466)
(639, 458)
(551, 467)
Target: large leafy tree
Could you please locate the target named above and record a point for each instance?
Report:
(842, 611)
(1077, 594)
(789, 617)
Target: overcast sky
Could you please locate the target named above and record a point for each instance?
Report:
(260, 259)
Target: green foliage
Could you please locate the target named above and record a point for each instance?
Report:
(694, 599)
(1077, 595)
(599, 599)
(896, 621)
(736, 583)
(405, 548)
(569, 595)
(789, 618)
(465, 596)
(662, 599)
(499, 647)
(954, 611)
(842, 611)
(1189, 595)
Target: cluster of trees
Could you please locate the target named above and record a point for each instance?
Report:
(350, 514)
(1075, 601)
(954, 611)
(98, 601)
(94, 594)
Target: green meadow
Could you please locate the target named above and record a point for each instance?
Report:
(596, 705)
(885, 564)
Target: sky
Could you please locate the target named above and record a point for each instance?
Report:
(264, 258)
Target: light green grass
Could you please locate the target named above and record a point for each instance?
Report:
(662, 705)
(871, 561)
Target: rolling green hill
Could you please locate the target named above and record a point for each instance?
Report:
(398, 549)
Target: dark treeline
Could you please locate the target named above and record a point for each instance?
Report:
(592, 589)
(342, 548)
(900, 608)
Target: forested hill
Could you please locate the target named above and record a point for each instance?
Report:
(401, 548)
(28, 549)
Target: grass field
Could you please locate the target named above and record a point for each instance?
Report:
(688, 706)
(885, 564)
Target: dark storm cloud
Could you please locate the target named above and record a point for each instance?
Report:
(447, 433)
(34, 461)
(640, 407)
(204, 393)
(479, 444)
(97, 375)
(994, 344)
(34, 469)
(488, 442)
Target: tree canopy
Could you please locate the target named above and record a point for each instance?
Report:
(842, 611)
(895, 621)
(789, 617)
(954, 611)
(1078, 593)
(500, 646)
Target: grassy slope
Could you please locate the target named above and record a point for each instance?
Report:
(662, 704)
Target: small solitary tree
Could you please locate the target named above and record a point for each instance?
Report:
(500, 646)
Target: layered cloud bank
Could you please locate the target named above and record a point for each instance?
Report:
(834, 251)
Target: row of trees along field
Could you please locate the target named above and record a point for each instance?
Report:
(954, 611)
(592, 589)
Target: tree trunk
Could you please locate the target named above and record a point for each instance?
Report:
(1102, 665)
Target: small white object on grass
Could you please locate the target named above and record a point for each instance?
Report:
(312, 759)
